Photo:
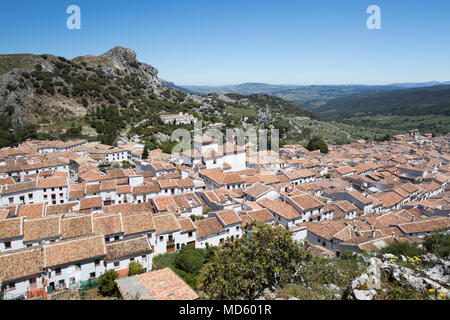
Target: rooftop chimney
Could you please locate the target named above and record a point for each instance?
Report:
(393, 235)
(373, 233)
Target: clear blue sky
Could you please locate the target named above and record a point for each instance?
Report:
(212, 42)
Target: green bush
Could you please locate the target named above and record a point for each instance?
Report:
(403, 248)
(126, 164)
(164, 260)
(189, 259)
(438, 243)
(244, 268)
(189, 278)
(135, 268)
(316, 143)
(106, 284)
(210, 252)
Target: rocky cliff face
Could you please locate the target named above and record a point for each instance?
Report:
(125, 58)
(426, 275)
(52, 88)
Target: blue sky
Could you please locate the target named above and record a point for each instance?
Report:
(199, 42)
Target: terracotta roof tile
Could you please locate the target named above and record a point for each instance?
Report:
(228, 217)
(90, 203)
(186, 224)
(164, 284)
(73, 250)
(31, 210)
(21, 263)
(138, 223)
(108, 224)
(76, 226)
(209, 226)
(41, 228)
(280, 207)
(262, 215)
(127, 248)
(166, 223)
(11, 228)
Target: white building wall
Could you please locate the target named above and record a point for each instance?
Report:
(15, 244)
(237, 161)
(74, 273)
(144, 259)
(184, 237)
(212, 240)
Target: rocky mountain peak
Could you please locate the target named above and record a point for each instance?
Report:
(122, 58)
(125, 58)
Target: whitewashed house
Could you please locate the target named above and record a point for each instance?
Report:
(209, 232)
(120, 254)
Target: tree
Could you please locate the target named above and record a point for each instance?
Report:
(189, 278)
(316, 143)
(386, 137)
(106, 284)
(245, 267)
(145, 153)
(168, 146)
(126, 164)
(438, 243)
(135, 268)
(189, 259)
(403, 248)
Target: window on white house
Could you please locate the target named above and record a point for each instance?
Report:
(116, 264)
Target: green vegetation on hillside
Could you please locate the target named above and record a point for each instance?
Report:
(425, 108)
(316, 143)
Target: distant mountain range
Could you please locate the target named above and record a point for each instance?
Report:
(411, 101)
(256, 87)
(308, 97)
(425, 105)
(425, 108)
